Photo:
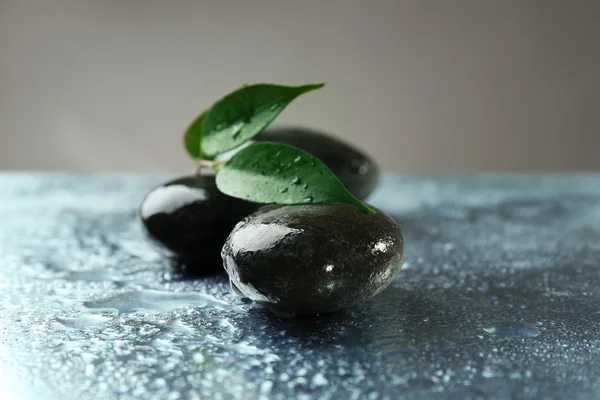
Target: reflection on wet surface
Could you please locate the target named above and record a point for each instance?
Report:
(499, 296)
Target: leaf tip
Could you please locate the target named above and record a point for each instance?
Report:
(312, 86)
(366, 209)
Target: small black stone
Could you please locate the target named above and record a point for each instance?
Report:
(312, 259)
(357, 171)
(189, 220)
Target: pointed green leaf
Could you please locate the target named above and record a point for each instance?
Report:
(268, 172)
(193, 135)
(243, 114)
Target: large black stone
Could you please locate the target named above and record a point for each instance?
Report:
(312, 259)
(357, 171)
(189, 220)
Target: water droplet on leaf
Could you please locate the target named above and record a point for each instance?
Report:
(308, 199)
(297, 159)
(236, 129)
(296, 180)
(283, 190)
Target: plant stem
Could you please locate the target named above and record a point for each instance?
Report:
(207, 164)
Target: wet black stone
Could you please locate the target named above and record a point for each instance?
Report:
(312, 259)
(357, 171)
(189, 220)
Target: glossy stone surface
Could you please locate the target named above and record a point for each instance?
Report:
(312, 259)
(189, 220)
(498, 299)
(357, 171)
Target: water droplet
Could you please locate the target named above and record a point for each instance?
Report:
(296, 180)
(278, 154)
(274, 107)
(298, 159)
(308, 199)
(83, 321)
(220, 126)
(89, 370)
(236, 129)
(319, 380)
(154, 301)
(305, 186)
(266, 387)
(283, 190)
(512, 328)
(487, 373)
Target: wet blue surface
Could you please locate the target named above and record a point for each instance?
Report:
(498, 298)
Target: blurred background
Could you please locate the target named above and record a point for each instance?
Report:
(422, 85)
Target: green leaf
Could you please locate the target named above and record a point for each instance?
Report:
(243, 114)
(268, 172)
(193, 135)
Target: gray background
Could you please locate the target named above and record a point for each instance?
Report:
(422, 85)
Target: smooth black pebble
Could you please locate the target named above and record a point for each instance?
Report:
(189, 220)
(312, 259)
(357, 171)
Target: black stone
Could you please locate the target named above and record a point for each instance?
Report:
(357, 171)
(189, 220)
(312, 259)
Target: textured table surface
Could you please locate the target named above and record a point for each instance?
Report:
(499, 298)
